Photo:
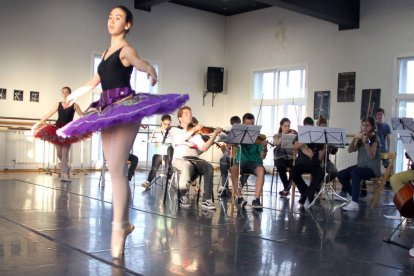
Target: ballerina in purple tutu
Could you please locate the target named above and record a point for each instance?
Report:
(118, 115)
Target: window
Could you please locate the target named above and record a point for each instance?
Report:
(404, 104)
(277, 94)
(139, 83)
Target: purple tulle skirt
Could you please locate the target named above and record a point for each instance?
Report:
(121, 106)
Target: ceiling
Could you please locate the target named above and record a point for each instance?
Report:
(344, 13)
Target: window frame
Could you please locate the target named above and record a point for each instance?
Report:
(275, 102)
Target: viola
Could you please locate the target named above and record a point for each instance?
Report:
(403, 200)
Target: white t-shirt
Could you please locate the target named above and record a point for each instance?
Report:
(184, 144)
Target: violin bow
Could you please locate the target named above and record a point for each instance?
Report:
(260, 109)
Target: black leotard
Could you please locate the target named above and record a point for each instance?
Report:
(113, 73)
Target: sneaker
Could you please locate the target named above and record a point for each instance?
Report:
(242, 202)
(284, 193)
(343, 196)
(256, 204)
(184, 202)
(208, 204)
(146, 184)
(352, 206)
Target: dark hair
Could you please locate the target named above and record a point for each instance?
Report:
(235, 120)
(68, 88)
(165, 117)
(370, 120)
(248, 116)
(380, 109)
(128, 15)
(322, 120)
(282, 122)
(194, 121)
(308, 121)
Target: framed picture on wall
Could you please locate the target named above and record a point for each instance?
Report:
(321, 104)
(18, 95)
(370, 101)
(3, 93)
(346, 87)
(34, 96)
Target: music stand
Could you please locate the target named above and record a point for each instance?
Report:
(406, 136)
(323, 135)
(402, 123)
(239, 135)
(158, 138)
(287, 141)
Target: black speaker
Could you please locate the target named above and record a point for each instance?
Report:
(215, 79)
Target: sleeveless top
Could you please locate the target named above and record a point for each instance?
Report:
(365, 162)
(113, 73)
(65, 115)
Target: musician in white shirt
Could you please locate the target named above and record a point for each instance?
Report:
(188, 145)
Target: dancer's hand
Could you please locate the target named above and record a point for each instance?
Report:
(33, 128)
(71, 99)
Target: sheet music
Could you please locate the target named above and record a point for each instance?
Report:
(322, 135)
(243, 134)
(287, 141)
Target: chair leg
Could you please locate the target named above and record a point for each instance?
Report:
(271, 182)
(378, 191)
(292, 196)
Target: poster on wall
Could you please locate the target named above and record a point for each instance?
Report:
(34, 96)
(321, 104)
(346, 87)
(3, 93)
(370, 101)
(18, 95)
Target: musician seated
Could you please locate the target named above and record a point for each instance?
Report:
(225, 162)
(283, 157)
(308, 161)
(187, 147)
(250, 162)
(162, 147)
(368, 164)
(331, 169)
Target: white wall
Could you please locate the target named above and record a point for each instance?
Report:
(276, 37)
(46, 44)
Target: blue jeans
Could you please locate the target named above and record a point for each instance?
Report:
(356, 175)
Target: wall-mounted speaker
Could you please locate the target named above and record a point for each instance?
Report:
(215, 79)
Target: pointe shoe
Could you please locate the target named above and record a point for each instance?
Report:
(120, 231)
(64, 177)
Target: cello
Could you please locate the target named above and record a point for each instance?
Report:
(403, 200)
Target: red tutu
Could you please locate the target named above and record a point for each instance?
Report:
(48, 133)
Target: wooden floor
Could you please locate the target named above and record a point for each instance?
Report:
(52, 228)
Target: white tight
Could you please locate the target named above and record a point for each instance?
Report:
(117, 142)
(63, 155)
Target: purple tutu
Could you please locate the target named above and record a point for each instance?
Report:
(121, 106)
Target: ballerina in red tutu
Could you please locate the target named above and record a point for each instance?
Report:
(118, 115)
(48, 132)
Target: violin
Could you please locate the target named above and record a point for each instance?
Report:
(261, 138)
